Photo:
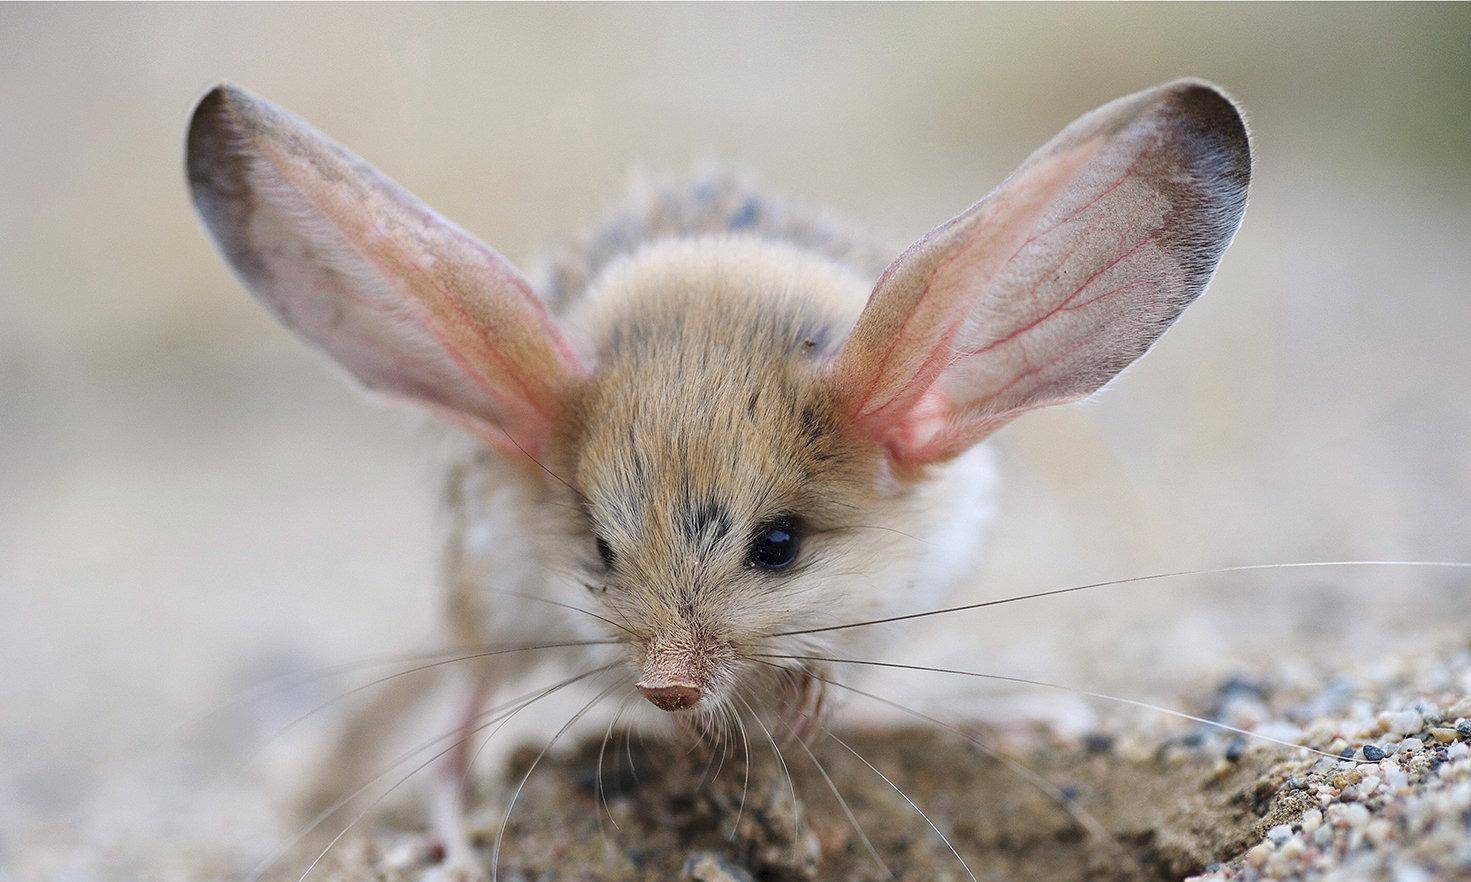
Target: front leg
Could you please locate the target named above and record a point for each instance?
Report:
(461, 863)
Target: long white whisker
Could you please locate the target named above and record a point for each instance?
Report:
(558, 603)
(382, 796)
(1112, 582)
(905, 796)
(332, 809)
(791, 785)
(495, 852)
(1058, 686)
(1047, 788)
(602, 791)
(289, 680)
(429, 666)
(746, 783)
(852, 819)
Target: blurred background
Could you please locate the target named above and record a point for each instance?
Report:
(190, 500)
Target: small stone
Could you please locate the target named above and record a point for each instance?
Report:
(1323, 835)
(1369, 785)
(1312, 819)
(1293, 848)
(1279, 834)
(1373, 754)
(1409, 873)
(1259, 854)
(1444, 736)
(1098, 742)
(1356, 815)
(1379, 831)
(1411, 745)
(706, 866)
(1278, 867)
(1463, 728)
(1457, 750)
(1406, 722)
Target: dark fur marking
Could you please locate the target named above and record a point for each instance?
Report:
(704, 521)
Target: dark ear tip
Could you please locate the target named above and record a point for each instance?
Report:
(222, 117)
(1215, 123)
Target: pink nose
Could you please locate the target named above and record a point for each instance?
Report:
(671, 698)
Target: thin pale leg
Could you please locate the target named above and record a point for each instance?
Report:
(451, 798)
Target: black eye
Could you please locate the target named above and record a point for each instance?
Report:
(605, 552)
(775, 545)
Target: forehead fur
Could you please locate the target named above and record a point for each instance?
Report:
(709, 409)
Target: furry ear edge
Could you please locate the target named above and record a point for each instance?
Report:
(1050, 286)
(409, 303)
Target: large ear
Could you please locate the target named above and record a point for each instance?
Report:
(412, 305)
(1059, 279)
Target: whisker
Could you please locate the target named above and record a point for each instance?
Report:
(286, 681)
(524, 700)
(746, 783)
(884, 529)
(724, 741)
(425, 667)
(791, 785)
(495, 853)
(1046, 685)
(852, 819)
(549, 601)
(602, 791)
(905, 796)
(1460, 565)
(1017, 767)
(628, 752)
(526, 453)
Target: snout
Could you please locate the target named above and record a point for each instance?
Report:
(676, 697)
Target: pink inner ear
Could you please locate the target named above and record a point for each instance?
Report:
(906, 338)
(410, 304)
(1046, 289)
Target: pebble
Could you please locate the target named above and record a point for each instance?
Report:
(1406, 722)
(1444, 736)
(1411, 745)
(1259, 854)
(1368, 785)
(1409, 873)
(1373, 754)
(1293, 848)
(1457, 750)
(1463, 728)
(1279, 834)
(1379, 831)
(1356, 815)
(706, 866)
(1312, 819)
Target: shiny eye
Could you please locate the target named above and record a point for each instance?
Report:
(605, 552)
(775, 545)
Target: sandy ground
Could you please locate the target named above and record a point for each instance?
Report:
(1137, 796)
